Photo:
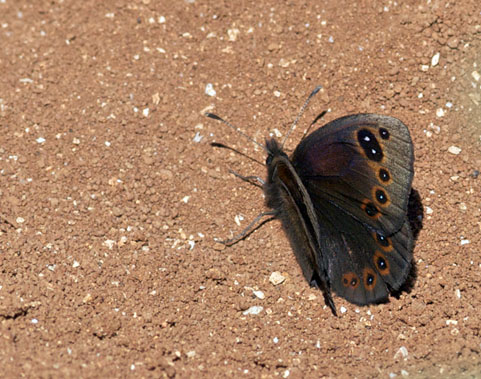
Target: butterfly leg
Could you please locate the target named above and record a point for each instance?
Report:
(249, 179)
(249, 229)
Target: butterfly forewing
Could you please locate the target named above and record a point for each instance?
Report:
(363, 165)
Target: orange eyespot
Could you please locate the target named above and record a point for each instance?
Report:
(384, 243)
(381, 263)
(380, 195)
(370, 209)
(370, 278)
(384, 176)
(350, 280)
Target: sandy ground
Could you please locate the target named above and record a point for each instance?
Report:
(111, 195)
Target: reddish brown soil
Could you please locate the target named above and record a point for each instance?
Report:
(108, 213)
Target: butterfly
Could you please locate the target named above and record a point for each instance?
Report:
(342, 199)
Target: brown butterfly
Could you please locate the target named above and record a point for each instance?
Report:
(342, 198)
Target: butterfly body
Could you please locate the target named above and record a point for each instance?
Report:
(342, 199)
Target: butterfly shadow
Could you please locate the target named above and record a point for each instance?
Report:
(415, 217)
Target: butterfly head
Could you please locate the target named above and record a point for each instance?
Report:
(273, 150)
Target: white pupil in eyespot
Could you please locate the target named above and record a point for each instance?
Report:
(373, 151)
(367, 139)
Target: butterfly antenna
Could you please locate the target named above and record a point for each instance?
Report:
(215, 117)
(316, 90)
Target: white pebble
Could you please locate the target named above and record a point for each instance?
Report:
(276, 278)
(209, 90)
(275, 340)
(145, 112)
(161, 20)
(20, 220)
(40, 140)
(343, 309)
(429, 211)
(259, 294)
(401, 353)
(75, 264)
(277, 94)
(34, 321)
(465, 242)
(475, 76)
(254, 310)
(404, 373)
(457, 292)
(185, 199)
(454, 150)
(233, 33)
(435, 59)
(198, 137)
(109, 243)
(451, 322)
(440, 112)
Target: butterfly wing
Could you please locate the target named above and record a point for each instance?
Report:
(286, 194)
(364, 266)
(361, 164)
(358, 172)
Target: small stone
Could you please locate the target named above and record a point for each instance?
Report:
(109, 243)
(394, 71)
(209, 90)
(440, 112)
(233, 33)
(429, 211)
(343, 309)
(435, 59)
(219, 246)
(20, 220)
(454, 150)
(254, 310)
(453, 43)
(117, 212)
(401, 353)
(272, 46)
(165, 174)
(276, 278)
(259, 295)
